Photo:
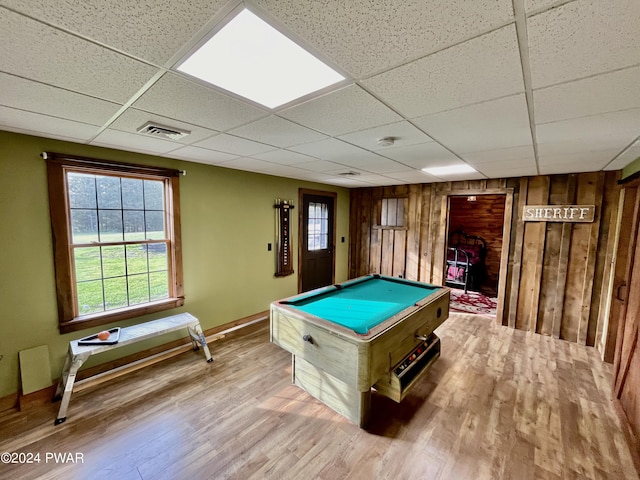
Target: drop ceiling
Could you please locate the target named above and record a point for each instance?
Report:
(510, 87)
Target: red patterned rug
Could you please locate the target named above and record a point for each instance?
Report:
(472, 302)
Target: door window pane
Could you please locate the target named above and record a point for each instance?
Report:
(318, 226)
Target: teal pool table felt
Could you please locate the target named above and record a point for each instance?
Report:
(362, 305)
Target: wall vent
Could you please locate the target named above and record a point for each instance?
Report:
(161, 131)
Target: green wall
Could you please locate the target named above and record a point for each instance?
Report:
(630, 169)
(227, 221)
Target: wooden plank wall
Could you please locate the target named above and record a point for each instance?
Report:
(556, 272)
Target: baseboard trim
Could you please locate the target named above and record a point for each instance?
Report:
(36, 399)
(9, 403)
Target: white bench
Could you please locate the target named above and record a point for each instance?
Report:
(78, 354)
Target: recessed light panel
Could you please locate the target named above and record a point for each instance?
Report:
(449, 170)
(254, 60)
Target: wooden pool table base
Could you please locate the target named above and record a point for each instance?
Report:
(352, 403)
(333, 392)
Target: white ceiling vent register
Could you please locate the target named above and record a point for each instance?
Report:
(161, 131)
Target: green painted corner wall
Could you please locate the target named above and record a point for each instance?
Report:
(227, 221)
(632, 168)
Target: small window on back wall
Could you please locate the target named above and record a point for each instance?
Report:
(392, 212)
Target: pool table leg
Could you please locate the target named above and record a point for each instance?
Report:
(333, 392)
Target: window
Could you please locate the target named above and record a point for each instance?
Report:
(116, 235)
(318, 226)
(392, 212)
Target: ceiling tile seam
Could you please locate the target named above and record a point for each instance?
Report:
(328, 135)
(466, 105)
(523, 47)
(219, 90)
(201, 35)
(433, 52)
(86, 39)
(130, 102)
(587, 77)
(183, 145)
(422, 130)
(622, 152)
(598, 114)
(276, 23)
(57, 87)
(57, 117)
(547, 8)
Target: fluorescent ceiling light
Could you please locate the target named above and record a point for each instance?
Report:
(449, 170)
(252, 59)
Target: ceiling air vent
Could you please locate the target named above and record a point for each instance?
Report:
(349, 174)
(162, 131)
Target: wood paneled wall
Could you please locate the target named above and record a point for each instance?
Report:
(554, 274)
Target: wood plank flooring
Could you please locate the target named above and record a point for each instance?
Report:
(499, 404)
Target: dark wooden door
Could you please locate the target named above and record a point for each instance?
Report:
(317, 240)
(627, 355)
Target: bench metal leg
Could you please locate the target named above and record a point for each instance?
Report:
(71, 366)
(197, 335)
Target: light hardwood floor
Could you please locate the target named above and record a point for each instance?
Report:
(498, 404)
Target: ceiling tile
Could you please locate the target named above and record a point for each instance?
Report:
(376, 179)
(374, 164)
(461, 176)
(383, 165)
(398, 31)
(421, 155)
(200, 155)
(152, 30)
(457, 76)
(490, 125)
(583, 38)
(600, 94)
(625, 157)
(613, 130)
(504, 156)
(284, 157)
(40, 98)
(415, 176)
(343, 111)
(331, 149)
(176, 97)
(320, 166)
(571, 164)
(507, 167)
(403, 134)
(250, 164)
(591, 160)
(45, 126)
(234, 145)
(499, 171)
(349, 182)
(535, 5)
(277, 131)
(132, 119)
(134, 142)
(33, 50)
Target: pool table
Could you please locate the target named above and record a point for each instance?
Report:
(373, 331)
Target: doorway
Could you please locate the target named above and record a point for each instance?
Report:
(482, 217)
(317, 239)
(476, 252)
